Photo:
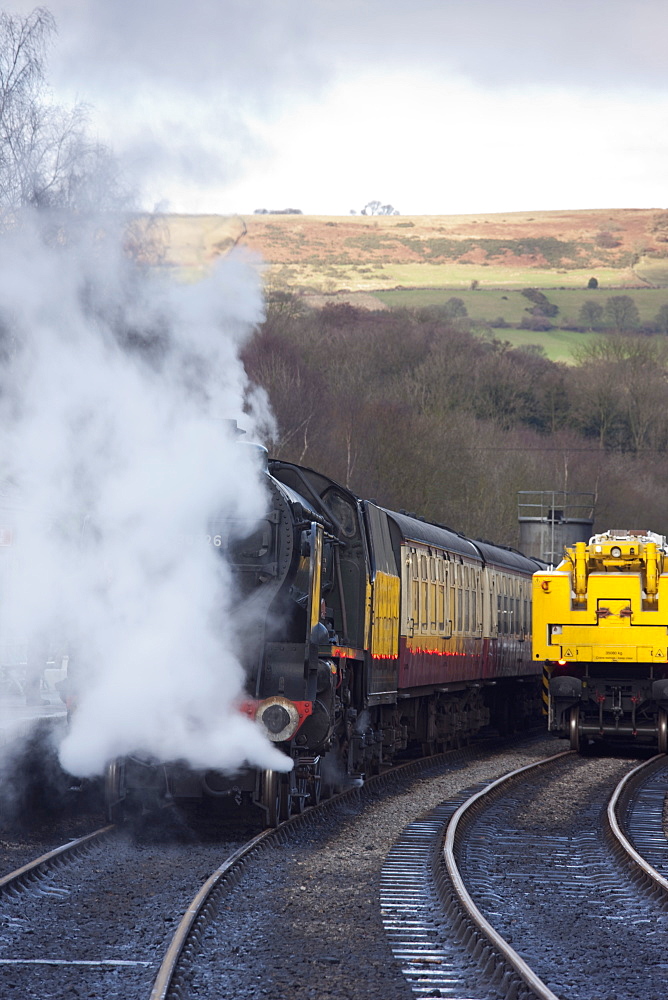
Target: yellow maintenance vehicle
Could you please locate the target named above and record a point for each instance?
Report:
(600, 626)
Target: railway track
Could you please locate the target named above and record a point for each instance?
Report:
(299, 909)
(554, 879)
(40, 871)
(304, 911)
(94, 918)
(281, 925)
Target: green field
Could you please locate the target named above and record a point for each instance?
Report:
(421, 277)
(655, 272)
(557, 345)
(488, 305)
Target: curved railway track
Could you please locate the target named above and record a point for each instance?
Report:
(46, 864)
(313, 902)
(247, 928)
(563, 899)
(95, 917)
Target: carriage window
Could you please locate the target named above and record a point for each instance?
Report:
(414, 612)
(424, 606)
(441, 608)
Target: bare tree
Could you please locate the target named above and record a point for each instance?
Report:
(622, 313)
(661, 319)
(591, 314)
(624, 395)
(375, 208)
(47, 160)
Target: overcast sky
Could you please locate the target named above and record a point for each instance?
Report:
(434, 106)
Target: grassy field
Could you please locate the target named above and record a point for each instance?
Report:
(557, 345)
(487, 305)
(451, 276)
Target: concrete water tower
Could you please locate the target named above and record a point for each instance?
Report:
(551, 519)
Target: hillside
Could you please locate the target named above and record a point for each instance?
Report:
(451, 413)
(623, 248)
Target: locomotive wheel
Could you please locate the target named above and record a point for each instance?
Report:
(300, 800)
(271, 796)
(574, 727)
(285, 798)
(314, 786)
(663, 731)
(114, 791)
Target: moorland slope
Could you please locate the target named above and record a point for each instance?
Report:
(624, 248)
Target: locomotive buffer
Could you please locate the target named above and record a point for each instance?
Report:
(600, 623)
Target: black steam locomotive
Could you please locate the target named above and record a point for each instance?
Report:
(369, 631)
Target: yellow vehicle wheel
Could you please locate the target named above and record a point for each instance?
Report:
(663, 731)
(574, 727)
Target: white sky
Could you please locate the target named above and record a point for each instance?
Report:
(434, 106)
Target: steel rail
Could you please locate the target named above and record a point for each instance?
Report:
(647, 872)
(33, 868)
(187, 927)
(482, 925)
(165, 974)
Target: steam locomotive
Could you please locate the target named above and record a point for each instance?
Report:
(601, 626)
(370, 631)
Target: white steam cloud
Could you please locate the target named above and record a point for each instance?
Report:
(112, 386)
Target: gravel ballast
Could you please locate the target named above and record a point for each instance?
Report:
(306, 921)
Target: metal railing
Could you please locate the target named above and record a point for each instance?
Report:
(555, 506)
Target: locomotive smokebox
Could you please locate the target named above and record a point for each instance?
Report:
(552, 519)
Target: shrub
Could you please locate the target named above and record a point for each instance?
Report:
(606, 240)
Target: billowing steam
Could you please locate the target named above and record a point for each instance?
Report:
(113, 385)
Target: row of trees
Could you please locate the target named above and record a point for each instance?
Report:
(411, 408)
(618, 313)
